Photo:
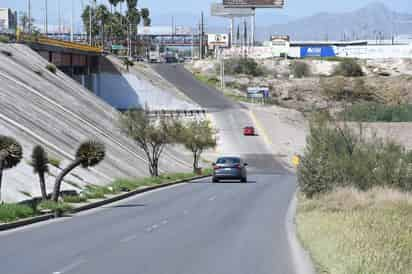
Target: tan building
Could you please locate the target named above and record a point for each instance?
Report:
(8, 20)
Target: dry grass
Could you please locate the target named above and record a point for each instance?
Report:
(353, 232)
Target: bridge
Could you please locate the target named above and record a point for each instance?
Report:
(71, 58)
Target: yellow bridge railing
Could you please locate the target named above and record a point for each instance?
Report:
(59, 43)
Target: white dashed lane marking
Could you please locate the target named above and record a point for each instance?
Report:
(70, 267)
(128, 239)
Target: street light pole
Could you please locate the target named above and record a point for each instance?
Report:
(71, 22)
(90, 23)
(46, 27)
(29, 15)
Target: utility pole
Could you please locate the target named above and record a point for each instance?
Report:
(253, 23)
(232, 22)
(222, 68)
(71, 23)
(60, 16)
(90, 23)
(193, 46)
(46, 22)
(202, 34)
(29, 14)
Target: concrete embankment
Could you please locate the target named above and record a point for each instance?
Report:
(53, 110)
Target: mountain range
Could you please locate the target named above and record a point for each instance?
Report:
(372, 21)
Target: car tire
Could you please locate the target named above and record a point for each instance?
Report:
(215, 180)
(243, 180)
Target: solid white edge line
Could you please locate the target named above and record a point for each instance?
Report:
(301, 258)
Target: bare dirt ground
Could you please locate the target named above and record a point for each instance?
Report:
(285, 125)
(388, 81)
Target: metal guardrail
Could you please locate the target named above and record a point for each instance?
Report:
(172, 113)
(59, 43)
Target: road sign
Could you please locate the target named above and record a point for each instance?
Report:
(296, 160)
(254, 3)
(118, 47)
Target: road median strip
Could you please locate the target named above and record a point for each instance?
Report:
(119, 197)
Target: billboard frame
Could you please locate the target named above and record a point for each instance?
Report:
(279, 5)
(220, 10)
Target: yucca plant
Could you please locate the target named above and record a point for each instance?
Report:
(40, 164)
(89, 154)
(11, 154)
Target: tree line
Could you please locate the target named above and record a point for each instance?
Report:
(112, 25)
(150, 134)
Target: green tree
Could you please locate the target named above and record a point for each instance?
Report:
(150, 134)
(198, 137)
(40, 164)
(86, 21)
(89, 153)
(103, 17)
(11, 154)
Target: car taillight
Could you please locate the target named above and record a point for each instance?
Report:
(237, 166)
(216, 167)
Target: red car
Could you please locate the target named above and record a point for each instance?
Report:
(249, 131)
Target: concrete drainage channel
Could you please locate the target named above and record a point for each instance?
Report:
(45, 217)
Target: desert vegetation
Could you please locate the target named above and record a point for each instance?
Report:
(355, 203)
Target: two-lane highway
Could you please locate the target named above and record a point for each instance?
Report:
(195, 228)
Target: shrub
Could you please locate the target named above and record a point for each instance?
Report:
(340, 88)
(4, 39)
(246, 66)
(349, 68)
(300, 69)
(121, 185)
(96, 192)
(73, 199)
(54, 206)
(337, 157)
(52, 68)
(12, 212)
(54, 162)
(376, 112)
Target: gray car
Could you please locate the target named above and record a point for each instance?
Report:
(229, 168)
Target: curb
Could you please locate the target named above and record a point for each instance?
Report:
(132, 193)
(24, 222)
(45, 217)
(301, 258)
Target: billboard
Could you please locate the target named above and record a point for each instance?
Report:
(217, 40)
(254, 3)
(320, 51)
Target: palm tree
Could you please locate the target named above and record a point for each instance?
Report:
(113, 3)
(102, 16)
(40, 164)
(145, 13)
(89, 153)
(11, 154)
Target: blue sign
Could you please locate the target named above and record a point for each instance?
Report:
(317, 51)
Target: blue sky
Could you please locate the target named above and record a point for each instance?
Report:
(294, 8)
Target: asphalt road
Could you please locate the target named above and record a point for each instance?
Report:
(195, 228)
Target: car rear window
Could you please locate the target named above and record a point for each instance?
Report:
(228, 161)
